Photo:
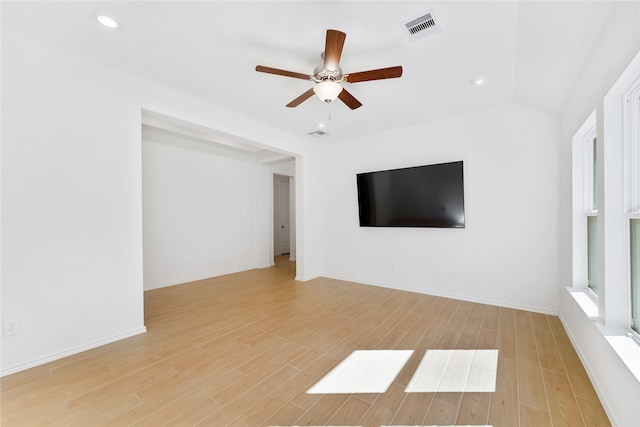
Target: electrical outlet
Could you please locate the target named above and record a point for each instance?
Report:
(11, 327)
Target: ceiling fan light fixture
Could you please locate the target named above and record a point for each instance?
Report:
(327, 90)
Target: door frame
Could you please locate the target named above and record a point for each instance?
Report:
(277, 249)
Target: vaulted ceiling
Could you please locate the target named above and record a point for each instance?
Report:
(529, 53)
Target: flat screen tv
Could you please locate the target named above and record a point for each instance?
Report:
(421, 196)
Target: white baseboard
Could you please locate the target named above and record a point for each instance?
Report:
(449, 295)
(195, 278)
(590, 373)
(306, 278)
(69, 352)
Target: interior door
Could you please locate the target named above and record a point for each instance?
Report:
(285, 221)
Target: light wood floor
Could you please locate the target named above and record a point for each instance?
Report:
(243, 349)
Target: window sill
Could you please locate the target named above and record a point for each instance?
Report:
(627, 349)
(585, 302)
(619, 339)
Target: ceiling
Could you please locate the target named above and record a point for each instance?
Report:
(529, 52)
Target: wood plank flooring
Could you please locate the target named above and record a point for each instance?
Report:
(243, 349)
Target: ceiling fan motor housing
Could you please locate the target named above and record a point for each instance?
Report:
(321, 74)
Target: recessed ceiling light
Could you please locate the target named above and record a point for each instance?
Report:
(107, 21)
(478, 81)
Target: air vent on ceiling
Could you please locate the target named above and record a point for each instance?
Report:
(318, 133)
(422, 26)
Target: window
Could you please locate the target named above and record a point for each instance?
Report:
(632, 197)
(584, 205)
(606, 208)
(592, 252)
(591, 209)
(634, 265)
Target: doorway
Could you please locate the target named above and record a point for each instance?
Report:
(282, 216)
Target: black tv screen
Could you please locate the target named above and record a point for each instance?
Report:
(421, 196)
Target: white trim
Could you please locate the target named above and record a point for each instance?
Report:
(631, 112)
(628, 309)
(300, 278)
(613, 277)
(590, 176)
(447, 295)
(620, 341)
(591, 294)
(591, 203)
(579, 207)
(585, 302)
(191, 279)
(631, 156)
(626, 348)
(41, 361)
(606, 405)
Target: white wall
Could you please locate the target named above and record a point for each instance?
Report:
(508, 252)
(199, 210)
(72, 252)
(72, 262)
(614, 382)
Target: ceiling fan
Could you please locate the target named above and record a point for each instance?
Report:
(328, 77)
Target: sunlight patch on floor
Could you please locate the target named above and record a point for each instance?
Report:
(363, 371)
(455, 371)
(453, 425)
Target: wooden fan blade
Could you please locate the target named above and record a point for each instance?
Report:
(379, 74)
(333, 49)
(269, 70)
(349, 99)
(299, 100)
